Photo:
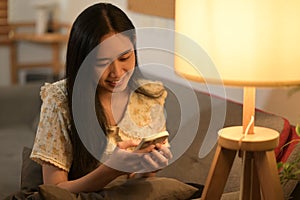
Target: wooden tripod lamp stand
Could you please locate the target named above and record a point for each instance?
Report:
(251, 44)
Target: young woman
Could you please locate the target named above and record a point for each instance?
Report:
(127, 107)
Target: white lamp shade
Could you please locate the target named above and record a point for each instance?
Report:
(251, 43)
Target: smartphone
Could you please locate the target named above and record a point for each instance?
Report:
(153, 139)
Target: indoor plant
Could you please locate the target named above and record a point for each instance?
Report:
(290, 170)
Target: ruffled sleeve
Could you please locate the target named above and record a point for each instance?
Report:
(52, 143)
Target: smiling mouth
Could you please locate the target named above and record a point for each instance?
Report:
(115, 82)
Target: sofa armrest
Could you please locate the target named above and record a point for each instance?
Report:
(19, 104)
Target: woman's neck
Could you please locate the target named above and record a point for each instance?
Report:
(109, 97)
(114, 104)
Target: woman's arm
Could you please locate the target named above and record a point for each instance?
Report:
(94, 181)
(121, 162)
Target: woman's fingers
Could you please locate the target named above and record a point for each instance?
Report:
(154, 161)
(149, 159)
(125, 161)
(146, 150)
(159, 158)
(126, 144)
(150, 163)
(166, 152)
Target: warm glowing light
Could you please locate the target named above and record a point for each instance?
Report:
(251, 43)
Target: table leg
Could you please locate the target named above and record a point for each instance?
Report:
(55, 60)
(13, 63)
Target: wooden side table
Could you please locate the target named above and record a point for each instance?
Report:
(54, 40)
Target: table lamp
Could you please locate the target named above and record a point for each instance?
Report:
(251, 44)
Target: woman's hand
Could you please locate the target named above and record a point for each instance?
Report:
(119, 163)
(149, 159)
(162, 153)
(156, 156)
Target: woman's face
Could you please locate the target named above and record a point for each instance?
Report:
(115, 63)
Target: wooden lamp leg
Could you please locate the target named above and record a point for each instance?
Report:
(250, 188)
(260, 176)
(218, 173)
(268, 175)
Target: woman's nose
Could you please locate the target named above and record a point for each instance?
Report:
(115, 69)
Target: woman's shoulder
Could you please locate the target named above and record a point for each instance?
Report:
(56, 91)
(149, 88)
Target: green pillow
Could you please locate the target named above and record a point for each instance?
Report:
(152, 188)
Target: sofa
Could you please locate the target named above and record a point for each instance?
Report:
(20, 114)
(19, 109)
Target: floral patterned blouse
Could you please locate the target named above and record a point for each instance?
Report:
(143, 116)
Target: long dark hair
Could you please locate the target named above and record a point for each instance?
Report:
(87, 30)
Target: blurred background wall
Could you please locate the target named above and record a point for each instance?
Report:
(276, 101)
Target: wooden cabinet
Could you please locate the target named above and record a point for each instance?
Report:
(52, 40)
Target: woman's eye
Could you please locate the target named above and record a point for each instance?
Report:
(124, 58)
(102, 64)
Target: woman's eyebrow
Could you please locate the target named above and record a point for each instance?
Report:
(125, 52)
(103, 59)
(121, 54)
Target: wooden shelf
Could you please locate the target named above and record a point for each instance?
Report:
(43, 38)
(53, 40)
(4, 41)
